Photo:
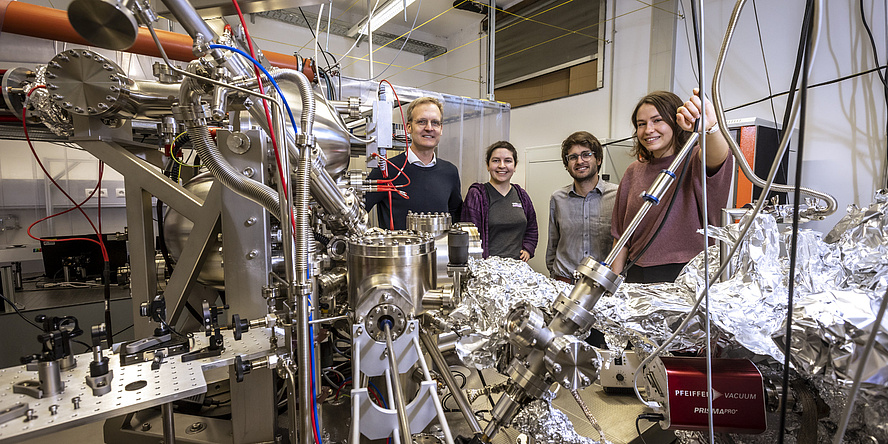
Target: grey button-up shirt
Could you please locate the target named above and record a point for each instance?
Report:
(579, 226)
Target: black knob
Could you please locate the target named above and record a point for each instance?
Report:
(99, 368)
(241, 368)
(458, 247)
(239, 326)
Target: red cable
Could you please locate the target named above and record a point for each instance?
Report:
(400, 170)
(77, 206)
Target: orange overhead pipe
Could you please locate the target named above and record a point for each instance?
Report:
(52, 24)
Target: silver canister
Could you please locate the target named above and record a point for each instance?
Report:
(395, 268)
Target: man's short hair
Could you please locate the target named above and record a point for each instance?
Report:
(582, 138)
(423, 101)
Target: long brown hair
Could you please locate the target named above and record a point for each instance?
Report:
(667, 105)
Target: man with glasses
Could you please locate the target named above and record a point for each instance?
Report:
(579, 213)
(431, 184)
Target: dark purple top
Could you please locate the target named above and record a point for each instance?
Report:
(476, 210)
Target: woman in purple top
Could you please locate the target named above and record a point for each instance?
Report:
(501, 210)
(662, 125)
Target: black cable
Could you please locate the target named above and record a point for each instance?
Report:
(18, 312)
(484, 384)
(816, 85)
(618, 141)
(764, 59)
(803, 97)
(691, 54)
(121, 331)
(696, 38)
(164, 251)
(652, 417)
(800, 54)
(317, 43)
(869, 33)
(88, 348)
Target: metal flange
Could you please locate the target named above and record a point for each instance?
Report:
(572, 362)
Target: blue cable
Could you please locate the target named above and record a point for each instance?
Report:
(384, 405)
(255, 62)
(314, 400)
(262, 68)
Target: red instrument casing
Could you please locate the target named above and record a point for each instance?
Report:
(738, 404)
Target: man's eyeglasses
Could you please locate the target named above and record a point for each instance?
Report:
(423, 122)
(585, 155)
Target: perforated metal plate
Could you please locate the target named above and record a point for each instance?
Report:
(174, 380)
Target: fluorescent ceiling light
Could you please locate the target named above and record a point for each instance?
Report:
(380, 17)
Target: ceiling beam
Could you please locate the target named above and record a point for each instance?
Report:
(293, 16)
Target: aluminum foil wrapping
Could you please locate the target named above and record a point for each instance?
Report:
(837, 293)
(57, 120)
(838, 288)
(545, 424)
(497, 284)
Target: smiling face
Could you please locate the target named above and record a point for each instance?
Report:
(425, 127)
(582, 163)
(501, 166)
(653, 132)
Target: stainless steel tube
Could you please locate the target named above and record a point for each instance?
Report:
(188, 17)
(831, 203)
(301, 295)
(169, 426)
(292, 401)
(464, 406)
(658, 190)
(395, 377)
(218, 166)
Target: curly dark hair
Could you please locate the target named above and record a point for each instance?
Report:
(582, 138)
(667, 105)
(502, 144)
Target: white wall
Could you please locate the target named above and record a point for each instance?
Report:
(845, 149)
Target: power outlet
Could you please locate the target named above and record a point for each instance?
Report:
(102, 192)
(120, 192)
